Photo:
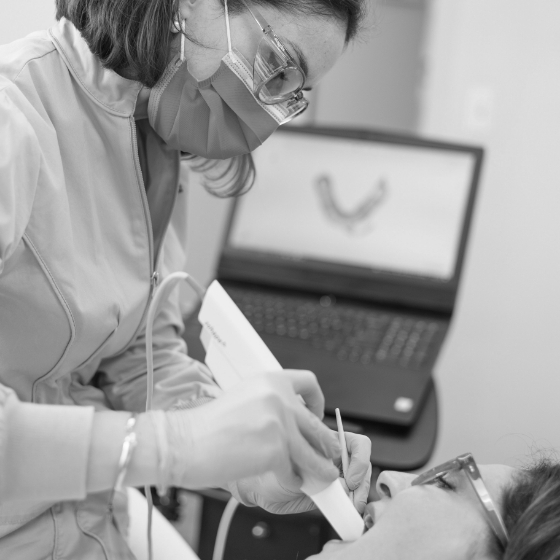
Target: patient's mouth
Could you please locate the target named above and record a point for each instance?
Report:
(368, 521)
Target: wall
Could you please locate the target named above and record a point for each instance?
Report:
(492, 78)
(376, 82)
(24, 16)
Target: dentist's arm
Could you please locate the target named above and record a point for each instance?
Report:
(258, 426)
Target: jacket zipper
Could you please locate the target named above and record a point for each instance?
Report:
(154, 274)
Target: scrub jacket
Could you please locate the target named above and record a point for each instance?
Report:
(90, 213)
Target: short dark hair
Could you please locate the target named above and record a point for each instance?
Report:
(531, 513)
(134, 37)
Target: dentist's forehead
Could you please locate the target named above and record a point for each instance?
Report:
(318, 40)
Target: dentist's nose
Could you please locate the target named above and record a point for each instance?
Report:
(390, 483)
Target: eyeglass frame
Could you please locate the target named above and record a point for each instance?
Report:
(266, 28)
(467, 464)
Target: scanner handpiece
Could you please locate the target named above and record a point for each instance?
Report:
(235, 351)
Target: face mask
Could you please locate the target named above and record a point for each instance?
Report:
(217, 118)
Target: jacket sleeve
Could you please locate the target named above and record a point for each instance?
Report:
(179, 380)
(43, 450)
(20, 163)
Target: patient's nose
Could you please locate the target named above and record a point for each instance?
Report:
(390, 483)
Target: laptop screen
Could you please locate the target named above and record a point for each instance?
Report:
(361, 204)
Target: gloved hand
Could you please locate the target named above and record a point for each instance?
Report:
(282, 495)
(260, 425)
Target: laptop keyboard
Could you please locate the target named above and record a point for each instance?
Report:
(349, 333)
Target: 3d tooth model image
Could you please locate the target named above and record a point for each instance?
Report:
(359, 220)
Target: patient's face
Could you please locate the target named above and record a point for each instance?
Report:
(430, 522)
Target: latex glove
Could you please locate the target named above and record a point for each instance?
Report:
(358, 477)
(258, 426)
(268, 492)
(282, 495)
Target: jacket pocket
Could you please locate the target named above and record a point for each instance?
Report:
(36, 330)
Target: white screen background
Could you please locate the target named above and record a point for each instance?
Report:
(414, 228)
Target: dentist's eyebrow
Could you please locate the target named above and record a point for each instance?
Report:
(301, 60)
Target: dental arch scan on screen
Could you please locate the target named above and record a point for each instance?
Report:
(377, 206)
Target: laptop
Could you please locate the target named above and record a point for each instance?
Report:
(346, 257)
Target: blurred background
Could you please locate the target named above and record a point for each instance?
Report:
(478, 71)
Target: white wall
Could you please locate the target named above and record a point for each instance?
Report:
(376, 82)
(24, 16)
(493, 77)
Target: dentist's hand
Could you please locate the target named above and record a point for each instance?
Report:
(282, 494)
(258, 426)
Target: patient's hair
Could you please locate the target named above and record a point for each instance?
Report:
(531, 512)
(133, 37)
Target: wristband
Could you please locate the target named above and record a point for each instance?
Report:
(128, 446)
(158, 419)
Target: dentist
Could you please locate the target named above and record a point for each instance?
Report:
(95, 116)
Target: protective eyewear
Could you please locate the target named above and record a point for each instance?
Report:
(277, 77)
(467, 464)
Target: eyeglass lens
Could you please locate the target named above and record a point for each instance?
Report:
(276, 80)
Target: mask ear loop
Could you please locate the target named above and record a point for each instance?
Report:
(179, 26)
(183, 26)
(227, 25)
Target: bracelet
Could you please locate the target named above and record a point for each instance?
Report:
(158, 419)
(129, 444)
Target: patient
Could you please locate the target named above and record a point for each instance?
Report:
(441, 515)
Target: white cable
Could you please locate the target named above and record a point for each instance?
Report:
(223, 529)
(228, 32)
(162, 293)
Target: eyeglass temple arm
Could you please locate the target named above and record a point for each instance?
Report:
(494, 517)
(263, 24)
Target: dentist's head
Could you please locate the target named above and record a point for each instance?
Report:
(224, 74)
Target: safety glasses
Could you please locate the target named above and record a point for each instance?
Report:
(467, 464)
(277, 77)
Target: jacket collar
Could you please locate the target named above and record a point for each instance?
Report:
(115, 93)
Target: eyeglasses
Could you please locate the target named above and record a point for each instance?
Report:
(277, 77)
(467, 464)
